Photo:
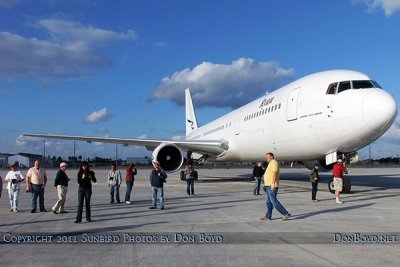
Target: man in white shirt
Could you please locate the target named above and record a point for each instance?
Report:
(36, 180)
(14, 178)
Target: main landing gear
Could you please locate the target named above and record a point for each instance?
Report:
(346, 186)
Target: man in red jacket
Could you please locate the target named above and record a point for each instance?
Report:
(338, 170)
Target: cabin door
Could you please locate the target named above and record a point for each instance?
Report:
(292, 102)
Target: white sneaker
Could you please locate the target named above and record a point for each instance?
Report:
(339, 202)
(128, 202)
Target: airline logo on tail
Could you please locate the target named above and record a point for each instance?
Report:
(191, 124)
(190, 114)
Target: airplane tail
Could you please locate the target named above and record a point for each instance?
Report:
(191, 122)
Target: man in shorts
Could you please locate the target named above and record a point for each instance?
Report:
(338, 170)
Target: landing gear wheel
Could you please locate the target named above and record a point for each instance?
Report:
(346, 186)
(331, 186)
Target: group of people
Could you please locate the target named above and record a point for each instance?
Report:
(36, 180)
(338, 170)
(270, 177)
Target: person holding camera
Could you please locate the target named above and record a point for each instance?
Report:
(129, 179)
(14, 179)
(157, 179)
(189, 173)
(114, 182)
(85, 179)
(314, 179)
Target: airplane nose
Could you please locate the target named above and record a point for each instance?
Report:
(379, 109)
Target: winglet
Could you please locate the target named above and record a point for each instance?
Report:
(191, 122)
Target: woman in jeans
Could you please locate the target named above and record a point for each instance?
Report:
(85, 179)
(129, 178)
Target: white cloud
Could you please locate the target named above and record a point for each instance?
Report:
(178, 138)
(388, 6)
(33, 57)
(386, 146)
(37, 145)
(394, 131)
(98, 116)
(70, 53)
(221, 85)
(64, 31)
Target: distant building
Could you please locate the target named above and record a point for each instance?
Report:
(138, 161)
(24, 160)
(4, 160)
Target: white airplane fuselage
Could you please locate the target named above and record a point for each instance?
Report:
(301, 121)
(317, 117)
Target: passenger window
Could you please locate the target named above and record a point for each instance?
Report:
(343, 86)
(331, 89)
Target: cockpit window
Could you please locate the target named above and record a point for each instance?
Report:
(363, 84)
(335, 88)
(376, 84)
(344, 86)
(331, 89)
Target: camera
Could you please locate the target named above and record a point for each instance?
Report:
(14, 181)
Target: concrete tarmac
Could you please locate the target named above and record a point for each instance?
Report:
(219, 226)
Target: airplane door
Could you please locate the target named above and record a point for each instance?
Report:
(291, 111)
(238, 123)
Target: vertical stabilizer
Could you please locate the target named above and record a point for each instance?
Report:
(191, 122)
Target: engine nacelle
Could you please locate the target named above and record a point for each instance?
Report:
(169, 155)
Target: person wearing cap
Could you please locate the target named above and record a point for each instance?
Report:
(338, 170)
(36, 179)
(14, 179)
(314, 179)
(157, 179)
(61, 185)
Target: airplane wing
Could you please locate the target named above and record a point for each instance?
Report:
(213, 147)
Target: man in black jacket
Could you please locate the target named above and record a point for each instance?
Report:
(157, 179)
(258, 172)
(61, 185)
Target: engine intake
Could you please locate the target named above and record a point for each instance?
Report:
(169, 156)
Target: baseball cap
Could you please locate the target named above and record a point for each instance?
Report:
(63, 164)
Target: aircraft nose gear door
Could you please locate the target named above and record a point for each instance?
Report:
(291, 111)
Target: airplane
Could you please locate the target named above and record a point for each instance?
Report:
(315, 119)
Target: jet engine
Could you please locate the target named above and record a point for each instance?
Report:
(169, 156)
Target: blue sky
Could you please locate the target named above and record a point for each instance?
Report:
(106, 68)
